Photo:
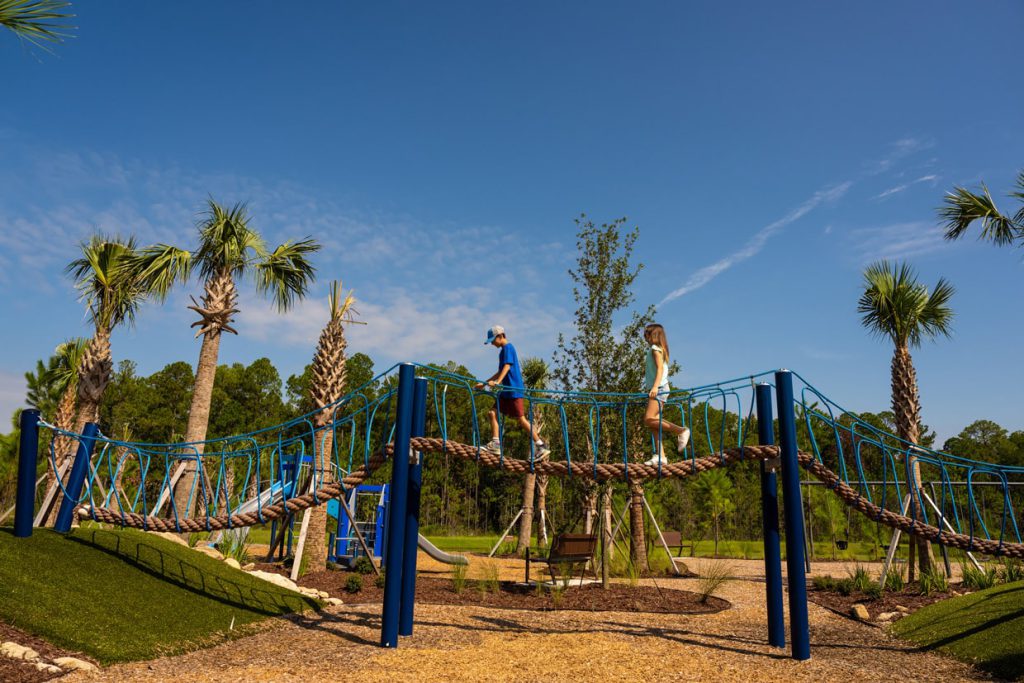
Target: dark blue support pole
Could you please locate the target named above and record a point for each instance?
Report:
(412, 514)
(799, 635)
(770, 520)
(28, 458)
(397, 508)
(79, 470)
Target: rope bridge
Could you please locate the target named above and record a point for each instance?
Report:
(254, 478)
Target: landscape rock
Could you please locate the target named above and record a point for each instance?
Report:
(901, 608)
(48, 668)
(334, 602)
(232, 562)
(323, 594)
(276, 579)
(74, 664)
(248, 567)
(861, 612)
(173, 538)
(15, 651)
(211, 552)
(889, 616)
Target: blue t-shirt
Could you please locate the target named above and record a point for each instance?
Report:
(513, 382)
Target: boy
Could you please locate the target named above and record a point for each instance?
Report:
(510, 401)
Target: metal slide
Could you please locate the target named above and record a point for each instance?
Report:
(440, 555)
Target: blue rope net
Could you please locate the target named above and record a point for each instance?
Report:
(136, 483)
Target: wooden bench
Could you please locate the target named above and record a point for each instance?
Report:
(569, 550)
(674, 539)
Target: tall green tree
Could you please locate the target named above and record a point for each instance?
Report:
(962, 208)
(229, 249)
(895, 306)
(37, 21)
(714, 492)
(596, 358)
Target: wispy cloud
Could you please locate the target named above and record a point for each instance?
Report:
(757, 242)
(898, 150)
(930, 178)
(896, 241)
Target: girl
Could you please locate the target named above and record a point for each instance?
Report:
(656, 385)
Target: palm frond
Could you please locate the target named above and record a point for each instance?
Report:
(110, 293)
(286, 272)
(157, 268)
(341, 308)
(68, 354)
(226, 240)
(896, 306)
(37, 21)
(962, 207)
(1018, 194)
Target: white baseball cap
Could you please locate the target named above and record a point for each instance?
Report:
(493, 333)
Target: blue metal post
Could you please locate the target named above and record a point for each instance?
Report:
(799, 634)
(396, 511)
(79, 471)
(28, 458)
(770, 521)
(412, 514)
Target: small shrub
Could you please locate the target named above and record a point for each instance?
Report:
(565, 573)
(633, 574)
(556, 596)
(354, 583)
(860, 579)
(362, 565)
(844, 586)
(894, 581)
(824, 583)
(489, 578)
(459, 578)
(979, 579)
(1013, 570)
(713, 575)
(195, 537)
(873, 591)
(379, 581)
(932, 581)
(234, 546)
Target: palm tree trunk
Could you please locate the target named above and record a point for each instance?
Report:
(637, 537)
(606, 534)
(62, 446)
(94, 372)
(315, 550)
(198, 421)
(906, 408)
(526, 520)
(542, 508)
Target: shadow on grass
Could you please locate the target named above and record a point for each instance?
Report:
(176, 570)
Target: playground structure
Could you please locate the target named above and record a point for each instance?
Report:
(872, 472)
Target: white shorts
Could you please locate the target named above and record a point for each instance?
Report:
(663, 391)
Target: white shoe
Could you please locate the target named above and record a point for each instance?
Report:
(493, 446)
(541, 450)
(657, 460)
(682, 439)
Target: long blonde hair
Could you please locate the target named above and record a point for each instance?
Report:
(655, 334)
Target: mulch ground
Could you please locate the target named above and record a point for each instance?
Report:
(909, 598)
(18, 671)
(510, 595)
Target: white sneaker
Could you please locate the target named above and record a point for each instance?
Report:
(541, 450)
(493, 446)
(657, 460)
(682, 439)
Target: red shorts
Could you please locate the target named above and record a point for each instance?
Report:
(511, 407)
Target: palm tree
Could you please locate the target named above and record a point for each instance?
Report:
(36, 21)
(327, 387)
(895, 306)
(113, 290)
(64, 377)
(962, 208)
(229, 249)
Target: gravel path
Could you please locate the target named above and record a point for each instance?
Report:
(478, 644)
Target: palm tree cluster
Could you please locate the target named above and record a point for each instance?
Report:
(114, 277)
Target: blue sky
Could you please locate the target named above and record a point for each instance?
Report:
(441, 151)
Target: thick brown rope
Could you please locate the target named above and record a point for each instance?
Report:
(598, 472)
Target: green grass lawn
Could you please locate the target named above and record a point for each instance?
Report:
(983, 628)
(127, 595)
